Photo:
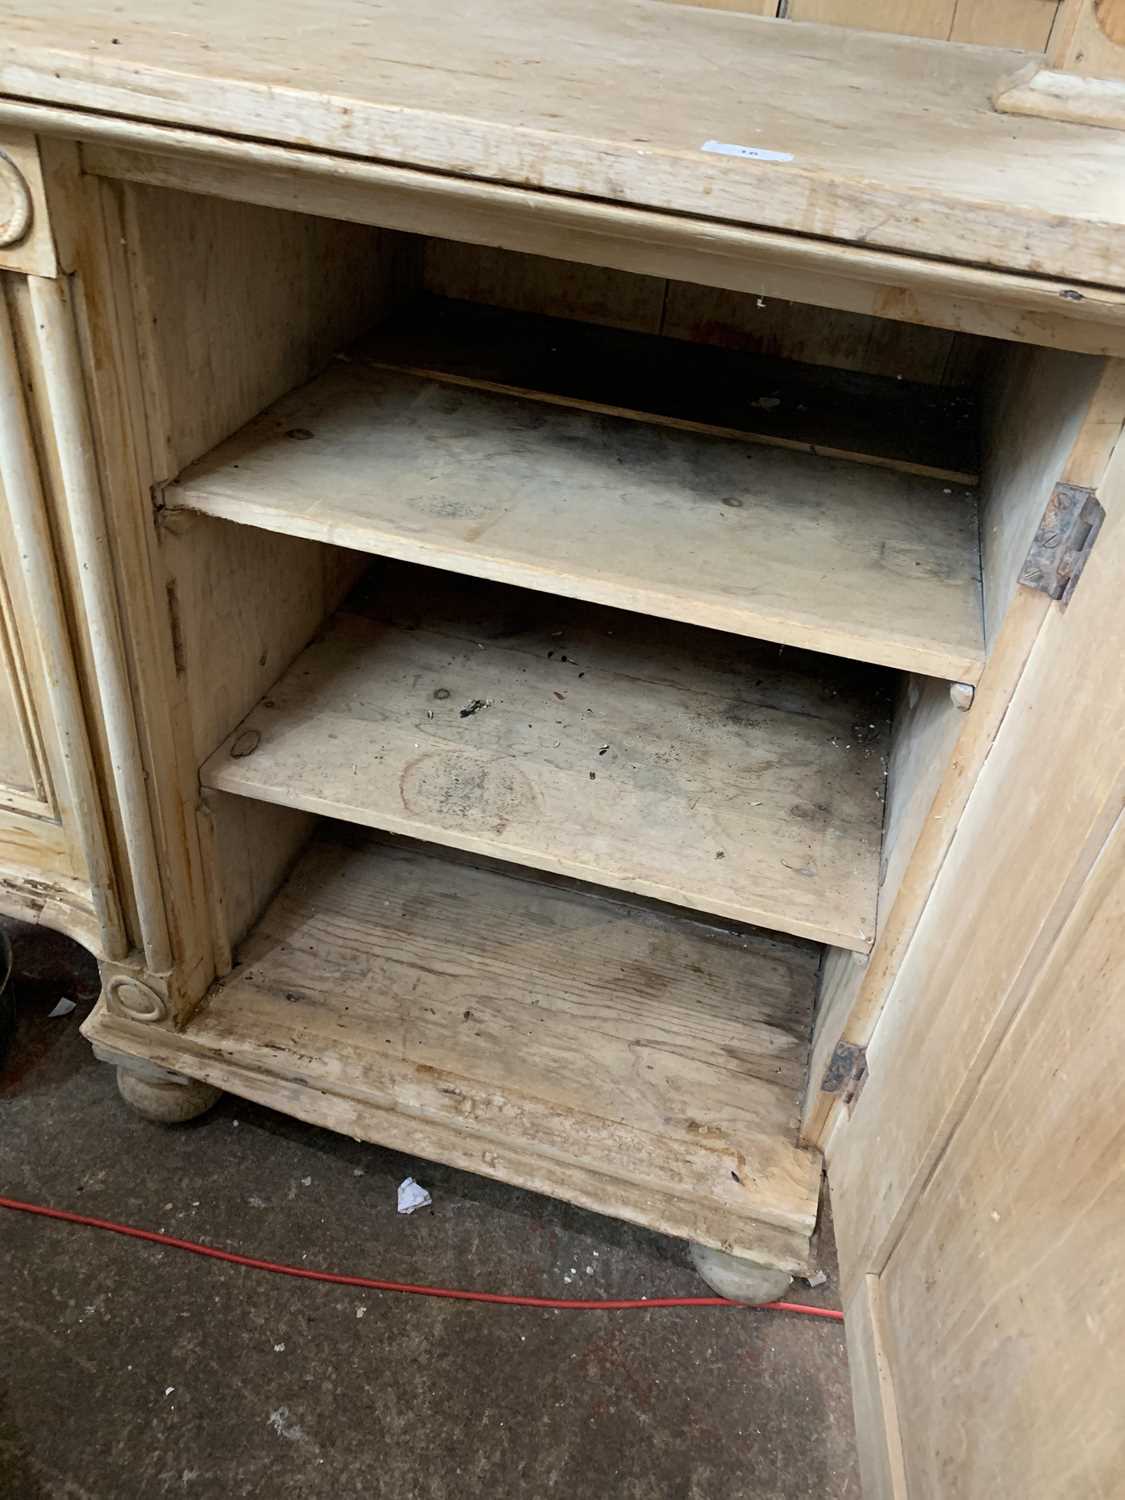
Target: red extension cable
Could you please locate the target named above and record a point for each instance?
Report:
(573, 1303)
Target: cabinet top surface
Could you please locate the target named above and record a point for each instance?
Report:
(881, 141)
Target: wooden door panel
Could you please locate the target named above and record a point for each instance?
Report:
(17, 772)
(25, 774)
(1004, 1301)
(54, 864)
(24, 777)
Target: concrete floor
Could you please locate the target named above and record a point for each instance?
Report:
(129, 1370)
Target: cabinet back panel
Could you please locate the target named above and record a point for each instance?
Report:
(700, 314)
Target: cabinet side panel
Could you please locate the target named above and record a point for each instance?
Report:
(1049, 418)
(1037, 408)
(248, 599)
(841, 976)
(926, 729)
(925, 734)
(237, 304)
(1038, 814)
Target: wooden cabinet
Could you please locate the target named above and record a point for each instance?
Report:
(572, 629)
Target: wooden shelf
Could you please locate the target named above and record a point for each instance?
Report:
(684, 765)
(747, 537)
(636, 1062)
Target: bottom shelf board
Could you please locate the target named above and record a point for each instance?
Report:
(717, 773)
(615, 1054)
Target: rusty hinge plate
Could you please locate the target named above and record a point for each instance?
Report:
(846, 1072)
(1062, 544)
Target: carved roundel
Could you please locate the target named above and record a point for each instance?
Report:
(135, 999)
(15, 202)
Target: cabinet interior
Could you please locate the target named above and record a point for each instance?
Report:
(566, 655)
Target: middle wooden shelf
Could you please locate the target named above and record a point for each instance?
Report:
(727, 775)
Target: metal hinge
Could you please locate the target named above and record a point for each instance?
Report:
(1063, 542)
(846, 1072)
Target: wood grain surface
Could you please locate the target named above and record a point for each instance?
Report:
(680, 764)
(782, 545)
(901, 150)
(637, 1062)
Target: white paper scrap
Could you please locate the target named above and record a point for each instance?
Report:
(755, 153)
(63, 1008)
(411, 1196)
